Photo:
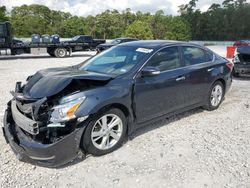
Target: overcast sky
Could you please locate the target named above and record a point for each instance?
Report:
(93, 7)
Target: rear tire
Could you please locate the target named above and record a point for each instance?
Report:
(101, 138)
(60, 52)
(215, 96)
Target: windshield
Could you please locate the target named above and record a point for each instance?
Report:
(116, 61)
(116, 41)
(75, 38)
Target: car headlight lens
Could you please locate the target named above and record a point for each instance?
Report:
(66, 111)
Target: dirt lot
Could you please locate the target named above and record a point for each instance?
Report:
(193, 149)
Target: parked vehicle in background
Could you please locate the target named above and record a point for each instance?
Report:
(17, 41)
(242, 61)
(242, 43)
(93, 106)
(53, 47)
(114, 42)
(91, 43)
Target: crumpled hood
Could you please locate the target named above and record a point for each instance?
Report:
(244, 50)
(48, 82)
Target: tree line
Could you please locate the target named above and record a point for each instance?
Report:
(27, 20)
(226, 21)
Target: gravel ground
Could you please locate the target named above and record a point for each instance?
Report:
(193, 149)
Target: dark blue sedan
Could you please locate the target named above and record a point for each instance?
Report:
(93, 106)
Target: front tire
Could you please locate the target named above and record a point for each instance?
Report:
(105, 133)
(215, 96)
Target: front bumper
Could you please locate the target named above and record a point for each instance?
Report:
(242, 69)
(49, 155)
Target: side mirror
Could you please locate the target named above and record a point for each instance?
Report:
(150, 71)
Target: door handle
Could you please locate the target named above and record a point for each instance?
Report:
(180, 78)
(210, 70)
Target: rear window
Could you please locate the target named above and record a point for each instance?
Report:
(193, 55)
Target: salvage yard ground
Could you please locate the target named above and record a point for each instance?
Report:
(193, 149)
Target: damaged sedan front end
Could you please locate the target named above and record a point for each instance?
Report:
(242, 61)
(41, 124)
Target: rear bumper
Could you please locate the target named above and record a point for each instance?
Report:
(49, 155)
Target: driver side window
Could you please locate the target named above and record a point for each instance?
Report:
(166, 59)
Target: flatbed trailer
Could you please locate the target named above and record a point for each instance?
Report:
(60, 50)
(55, 50)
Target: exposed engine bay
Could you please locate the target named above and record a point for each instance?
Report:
(244, 58)
(45, 126)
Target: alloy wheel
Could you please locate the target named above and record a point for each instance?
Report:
(107, 131)
(216, 95)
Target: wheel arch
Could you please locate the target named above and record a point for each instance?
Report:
(222, 81)
(128, 114)
(120, 106)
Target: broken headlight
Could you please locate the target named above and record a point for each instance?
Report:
(66, 111)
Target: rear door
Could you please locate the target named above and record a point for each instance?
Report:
(199, 69)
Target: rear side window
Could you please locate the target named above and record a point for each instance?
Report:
(210, 56)
(87, 39)
(193, 55)
(166, 59)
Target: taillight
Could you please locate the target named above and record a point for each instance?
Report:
(230, 65)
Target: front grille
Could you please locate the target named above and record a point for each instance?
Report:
(41, 114)
(25, 109)
(26, 123)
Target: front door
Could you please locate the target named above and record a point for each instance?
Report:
(163, 93)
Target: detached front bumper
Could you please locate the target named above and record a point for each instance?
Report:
(242, 69)
(49, 155)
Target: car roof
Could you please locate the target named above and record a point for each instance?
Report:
(155, 44)
(82, 36)
(123, 38)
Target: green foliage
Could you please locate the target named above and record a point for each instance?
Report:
(108, 24)
(220, 22)
(39, 19)
(74, 26)
(139, 30)
(160, 24)
(3, 14)
(179, 30)
(30, 19)
(227, 21)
